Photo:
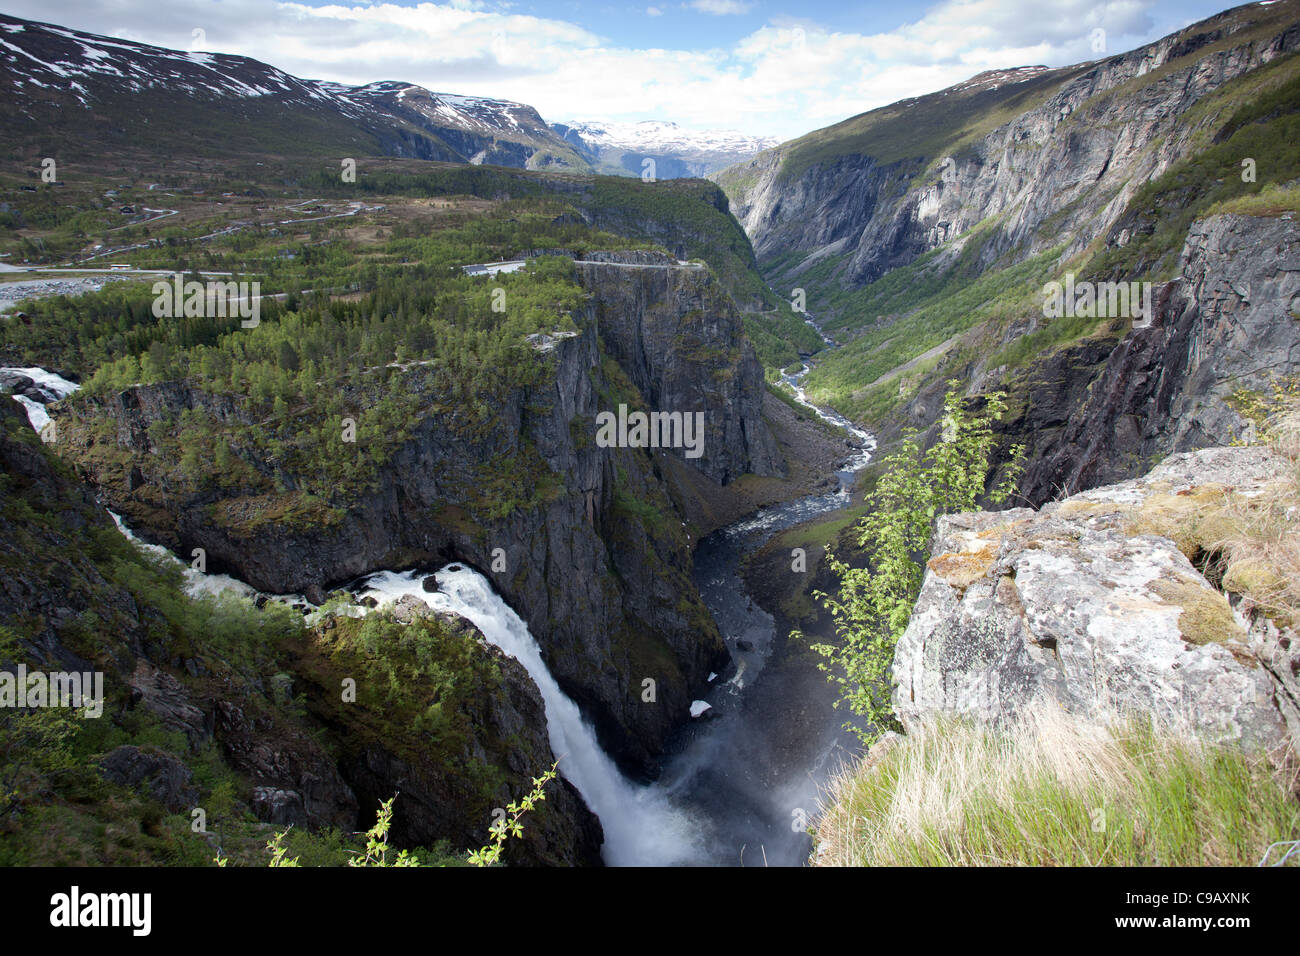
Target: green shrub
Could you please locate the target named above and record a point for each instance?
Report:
(874, 602)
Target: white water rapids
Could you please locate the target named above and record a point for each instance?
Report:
(868, 441)
(53, 385)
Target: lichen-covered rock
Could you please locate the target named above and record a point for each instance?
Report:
(1278, 651)
(1077, 604)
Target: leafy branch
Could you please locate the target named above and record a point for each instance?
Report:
(874, 603)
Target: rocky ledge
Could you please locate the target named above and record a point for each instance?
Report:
(1090, 603)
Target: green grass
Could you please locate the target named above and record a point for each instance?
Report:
(1055, 791)
(844, 378)
(1272, 200)
(779, 337)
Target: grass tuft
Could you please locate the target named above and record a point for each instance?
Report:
(1054, 790)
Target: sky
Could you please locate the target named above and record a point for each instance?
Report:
(765, 67)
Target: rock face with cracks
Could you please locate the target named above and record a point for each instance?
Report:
(1073, 604)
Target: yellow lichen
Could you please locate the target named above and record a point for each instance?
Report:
(962, 569)
(1206, 615)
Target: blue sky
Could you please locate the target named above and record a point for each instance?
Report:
(764, 67)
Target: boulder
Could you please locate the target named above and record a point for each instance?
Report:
(408, 607)
(281, 807)
(159, 773)
(1073, 604)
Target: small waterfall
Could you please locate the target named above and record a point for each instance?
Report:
(55, 387)
(641, 827)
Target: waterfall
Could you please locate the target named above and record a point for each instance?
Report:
(641, 827)
(56, 387)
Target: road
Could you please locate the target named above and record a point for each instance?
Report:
(514, 265)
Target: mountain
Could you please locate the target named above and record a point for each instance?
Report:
(925, 232)
(65, 86)
(622, 148)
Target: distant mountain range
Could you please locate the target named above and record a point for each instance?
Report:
(622, 148)
(66, 88)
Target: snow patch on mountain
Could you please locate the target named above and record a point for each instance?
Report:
(660, 136)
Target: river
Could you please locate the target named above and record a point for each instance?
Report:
(753, 774)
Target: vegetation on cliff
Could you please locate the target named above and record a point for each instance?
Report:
(187, 677)
(874, 601)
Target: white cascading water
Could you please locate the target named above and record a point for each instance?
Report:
(57, 386)
(868, 441)
(641, 827)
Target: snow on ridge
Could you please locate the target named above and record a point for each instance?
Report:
(472, 112)
(472, 102)
(667, 136)
(129, 63)
(92, 55)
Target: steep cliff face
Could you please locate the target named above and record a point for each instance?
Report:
(679, 338)
(1047, 156)
(594, 557)
(1227, 324)
(76, 596)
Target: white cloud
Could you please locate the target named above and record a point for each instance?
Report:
(722, 8)
(653, 12)
(784, 79)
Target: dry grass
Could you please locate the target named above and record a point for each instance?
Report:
(1054, 790)
(1260, 546)
(1246, 544)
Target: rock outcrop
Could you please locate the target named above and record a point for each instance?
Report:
(510, 732)
(1228, 323)
(161, 775)
(1080, 604)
